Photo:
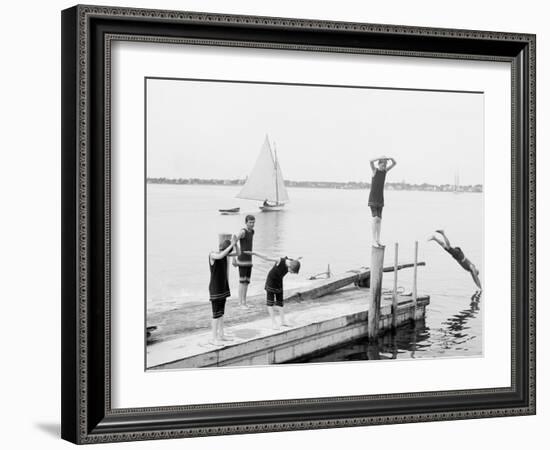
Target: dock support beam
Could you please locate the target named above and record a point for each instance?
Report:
(376, 271)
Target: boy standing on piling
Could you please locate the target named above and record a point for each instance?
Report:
(376, 196)
(274, 285)
(219, 287)
(244, 260)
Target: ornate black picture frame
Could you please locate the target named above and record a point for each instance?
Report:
(87, 414)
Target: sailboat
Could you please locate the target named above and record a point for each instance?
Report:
(266, 183)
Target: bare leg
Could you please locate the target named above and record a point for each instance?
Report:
(442, 233)
(215, 328)
(475, 276)
(241, 293)
(221, 331)
(434, 238)
(281, 311)
(376, 225)
(272, 315)
(220, 328)
(243, 288)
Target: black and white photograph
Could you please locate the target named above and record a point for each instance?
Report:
(303, 223)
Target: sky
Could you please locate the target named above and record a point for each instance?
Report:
(205, 129)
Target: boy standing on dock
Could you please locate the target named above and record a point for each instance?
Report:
(244, 260)
(219, 287)
(274, 285)
(376, 196)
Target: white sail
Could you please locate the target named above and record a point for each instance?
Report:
(282, 194)
(265, 182)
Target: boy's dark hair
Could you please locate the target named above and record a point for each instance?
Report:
(294, 266)
(249, 217)
(224, 245)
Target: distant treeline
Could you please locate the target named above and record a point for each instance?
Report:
(400, 186)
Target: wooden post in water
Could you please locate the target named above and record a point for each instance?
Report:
(394, 300)
(415, 277)
(376, 271)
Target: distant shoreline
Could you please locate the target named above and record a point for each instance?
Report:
(400, 186)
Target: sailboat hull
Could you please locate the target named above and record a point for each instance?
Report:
(272, 208)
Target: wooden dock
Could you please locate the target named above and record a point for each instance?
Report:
(327, 321)
(327, 314)
(195, 317)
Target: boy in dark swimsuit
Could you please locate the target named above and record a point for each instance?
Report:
(458, 255)
(376, 196)
(244, 260)
(274, 285)
(219, 287)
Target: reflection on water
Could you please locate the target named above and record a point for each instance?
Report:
(455, 332)
(412, 340)
(270, 234)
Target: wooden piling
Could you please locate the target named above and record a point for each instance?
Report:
(394, 300)
(377, 270)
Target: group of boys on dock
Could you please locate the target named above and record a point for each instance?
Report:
(240, 247)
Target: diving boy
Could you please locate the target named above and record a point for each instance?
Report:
(458, 255)
(376, 196)
(219, 287)
(274, 285)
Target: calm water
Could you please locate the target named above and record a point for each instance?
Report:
(326, 226)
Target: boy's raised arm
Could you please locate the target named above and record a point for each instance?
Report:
(393, 164)
(264, 257)
(224, 253)
(372, 161)
(236, 247)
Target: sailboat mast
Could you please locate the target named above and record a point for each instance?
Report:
(276, 175)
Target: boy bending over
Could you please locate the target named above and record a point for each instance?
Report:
(274, 285)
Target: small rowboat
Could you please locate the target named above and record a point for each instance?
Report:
(229, 211)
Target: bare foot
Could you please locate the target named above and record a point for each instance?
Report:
(286, 325)
(216, 342)
(226, 339)
(274, 326)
